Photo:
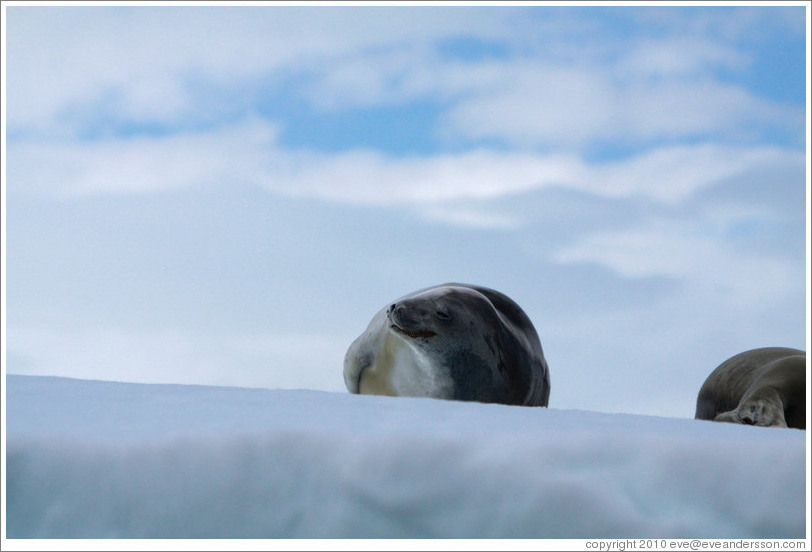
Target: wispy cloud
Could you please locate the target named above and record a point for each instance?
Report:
(289, 361)
(248, 153)
(688, 251)
(125, 66)
(136, 56)
(536, 104)
(679, 57)
(139, 164)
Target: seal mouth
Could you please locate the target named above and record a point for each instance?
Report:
(414, 334)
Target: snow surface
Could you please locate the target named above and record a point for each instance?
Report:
(94, 459)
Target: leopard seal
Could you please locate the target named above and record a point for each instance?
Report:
(451, 341)
(763, 387)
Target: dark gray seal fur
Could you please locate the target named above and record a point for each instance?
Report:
(452, 341)
(764, 387)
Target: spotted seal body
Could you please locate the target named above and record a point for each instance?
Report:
(764, 387)
(453, 341)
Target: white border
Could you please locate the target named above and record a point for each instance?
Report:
(353, 544)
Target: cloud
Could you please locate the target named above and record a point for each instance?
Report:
(68, 58)
(282, 361)
(736, 24)
(672, 174)
(471, 216)
(631, 91)
(529, 104)
(564, 107)
(679, 56)
(687, 250)
(248, 153)
(141, 164)
(132, 66)
(370, 178)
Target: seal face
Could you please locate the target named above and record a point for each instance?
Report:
(764, 387)
(452, 341)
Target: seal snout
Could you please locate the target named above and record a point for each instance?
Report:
(407, 320)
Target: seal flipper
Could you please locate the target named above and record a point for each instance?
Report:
(362, 352)
(762, 408)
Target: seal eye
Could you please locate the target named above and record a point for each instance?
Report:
(442, 315)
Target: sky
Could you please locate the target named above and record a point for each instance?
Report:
(226, 195)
